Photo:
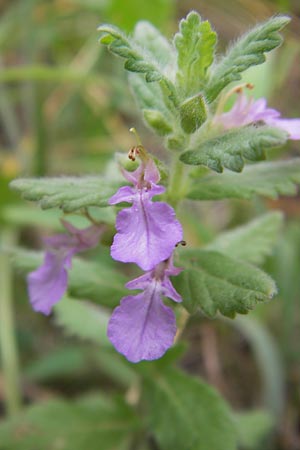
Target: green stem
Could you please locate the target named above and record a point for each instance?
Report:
(9, 353)
(175, 191)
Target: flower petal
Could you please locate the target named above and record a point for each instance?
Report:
(169, 291)
(142, 327)
(147, 233)
(151, 172)
(124, 194)
(140, 282)
(291, 126)
(47, 284)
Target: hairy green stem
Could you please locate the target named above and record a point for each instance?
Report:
(9, 353)
(175, 191)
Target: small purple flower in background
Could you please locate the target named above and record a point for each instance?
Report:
(247, 110)
(148, 231)
(142, 327)
(48, 283)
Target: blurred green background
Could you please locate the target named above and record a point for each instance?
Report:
(65, 108)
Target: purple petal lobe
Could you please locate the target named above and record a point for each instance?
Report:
(151, 172)
(48, 283)
(141, 282)
(142, 327)
(291, 126)
(168, 290)
(146, 233)
(124, 194)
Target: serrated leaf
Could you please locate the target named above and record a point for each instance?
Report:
(83, 319)
(229, 149)
(269, 179)
(137, 58)
(68, 193)
(248, 51)
(251, 242)
(65, 425)
(141, 60)
(195, 44)
(199, 415)
(88, 280)
(215, 282)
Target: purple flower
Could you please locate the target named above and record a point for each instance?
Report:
(48, 283)
(148, 231)
(247, 110)
(142, 327)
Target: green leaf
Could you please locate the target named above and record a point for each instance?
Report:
(97, 282)
(88, 280)
(156, 120)
(253, 427)
(229, 149)
(195, 44)
(269, 179)
(137, 59)
(248, 51)
(68, 193)
(83, 319)
(63, 361)
(140, 60)
(215, 282)
(149, 37)
(187, 414)
(147, 95)
(251, 242)
(59, 424)
(25, 215)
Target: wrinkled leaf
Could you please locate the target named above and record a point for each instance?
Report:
(248, 51)
(229, 149)
(68, 193)
(215, 282)
(251, 242)
(195, 44)
(137, 59)
(269, 179)
(187, 414)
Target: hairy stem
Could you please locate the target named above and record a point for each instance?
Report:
(175, 191)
